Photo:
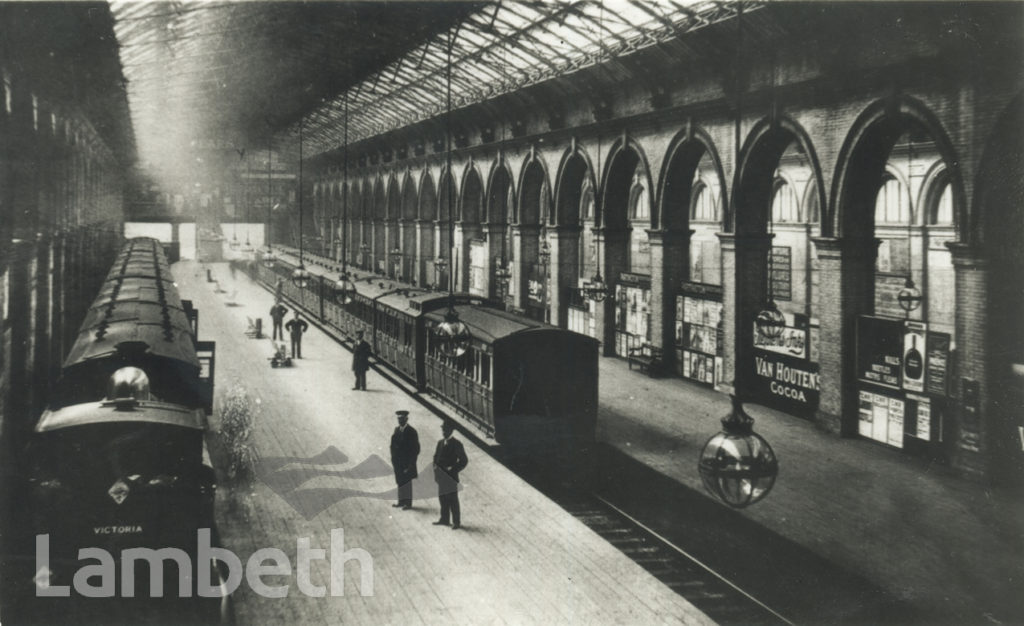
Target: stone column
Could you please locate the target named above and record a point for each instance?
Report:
(612, 257)
(670, 254)
(524, 251)
(565, 249)
(744, 275)
(424, 251)
(846, 290)
(465, 232)
(971, 428)
(495, 235)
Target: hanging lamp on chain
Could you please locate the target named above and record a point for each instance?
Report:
(344, 288)
(452, 334)
(909, 298)
(269, 259)
(737, 465)
(247, 246)
(300, 275)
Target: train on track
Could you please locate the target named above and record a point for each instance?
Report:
(529, 386)
(119, 464)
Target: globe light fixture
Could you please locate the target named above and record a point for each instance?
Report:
(737, 465)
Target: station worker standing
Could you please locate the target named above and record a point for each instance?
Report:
(296, 326)
(277, 313)
(449, 460)
(360, 360)
(405, 449)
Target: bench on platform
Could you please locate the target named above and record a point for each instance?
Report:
(648, 357)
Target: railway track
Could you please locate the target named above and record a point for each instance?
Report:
(720, 599)
(685, 540)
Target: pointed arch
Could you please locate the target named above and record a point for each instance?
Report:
(674, 191)
(864, 154)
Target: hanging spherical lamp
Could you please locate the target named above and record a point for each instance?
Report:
(770, 321)
(268, 258)
(452, 335)
(909, 298)
(596, 289)
(737, 465)
(300, 276)
(344, 289)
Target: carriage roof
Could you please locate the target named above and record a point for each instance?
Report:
(492, 325)
(108, 412)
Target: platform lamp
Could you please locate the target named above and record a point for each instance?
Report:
(247, 247)
(770, 322)
(269, 259)
(234, 244)
(344, 288)
(596, 289)
(396, 261)
(452, 334)
(909, 298)
(300, 276)
(364, 253)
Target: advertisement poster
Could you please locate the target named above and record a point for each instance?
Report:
(914, 350)
(865, 413)
(879, 351)
(922, 417)
(937, 364)
(477, 271)
(793, 340)
(786, 383)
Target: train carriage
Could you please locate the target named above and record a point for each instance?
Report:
(529, 385)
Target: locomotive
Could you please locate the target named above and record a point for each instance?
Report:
(118, 464)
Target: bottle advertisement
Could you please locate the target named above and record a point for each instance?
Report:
(914, 349)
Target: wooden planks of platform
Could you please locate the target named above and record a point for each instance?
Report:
(519, 558)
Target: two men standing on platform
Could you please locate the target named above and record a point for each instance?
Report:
(405, 449)
(295, 328)
(360, 361)
(277, 313)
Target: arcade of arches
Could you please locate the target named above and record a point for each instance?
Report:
(699, 215)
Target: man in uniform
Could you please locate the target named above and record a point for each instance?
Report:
(277, 313)
(295, 328)
(360, 361)
(449, 460)
(405, 449)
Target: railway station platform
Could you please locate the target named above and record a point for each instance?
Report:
(862, 515)
(518, 558)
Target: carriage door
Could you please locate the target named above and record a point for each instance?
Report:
(206, 353)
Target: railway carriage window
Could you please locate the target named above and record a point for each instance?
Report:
(485, 369)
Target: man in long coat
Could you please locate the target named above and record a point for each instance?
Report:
(360, 360)
(449, 460)
(405, 449)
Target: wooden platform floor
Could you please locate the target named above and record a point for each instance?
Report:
(519, 558)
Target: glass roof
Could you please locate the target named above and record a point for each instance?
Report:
(499, 49)
(240, 73)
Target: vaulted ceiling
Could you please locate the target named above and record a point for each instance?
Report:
(245, 74)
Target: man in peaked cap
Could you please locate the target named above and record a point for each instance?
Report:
(405, 448)
(449, 460)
